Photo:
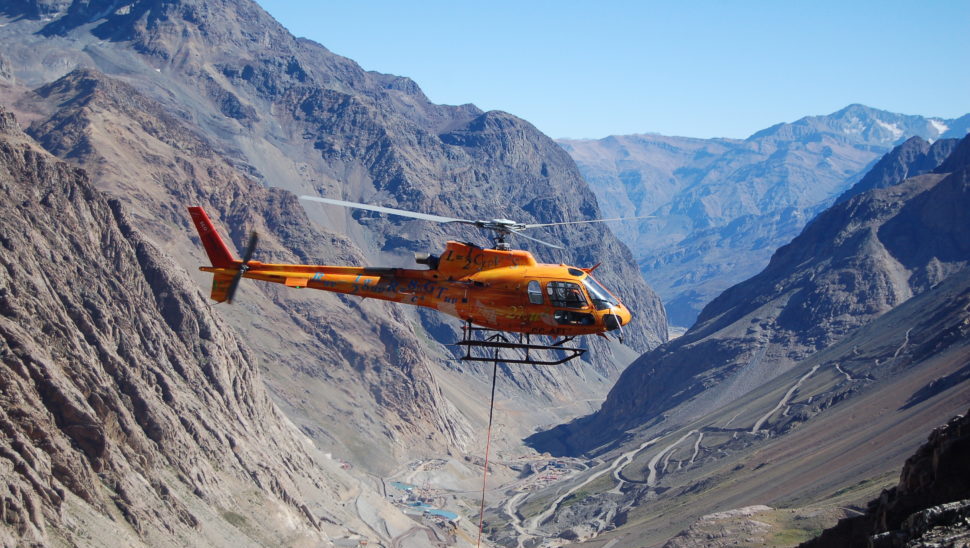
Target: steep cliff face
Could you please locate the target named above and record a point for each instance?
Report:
(930, 505)
(853, 263)
(131, 413)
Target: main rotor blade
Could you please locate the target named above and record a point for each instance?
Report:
(388, 210)
(521, 235)
(537, 225)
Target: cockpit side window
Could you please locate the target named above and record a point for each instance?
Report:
(566, 295)
(602, 299)
(535, 292)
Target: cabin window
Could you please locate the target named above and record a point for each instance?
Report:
(535, 292)
(602, 299)
(566, 295)
(569, 317)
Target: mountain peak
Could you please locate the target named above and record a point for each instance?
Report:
(959, 159)
(858, 109)
(871, 126)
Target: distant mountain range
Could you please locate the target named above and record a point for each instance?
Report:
(723, 206)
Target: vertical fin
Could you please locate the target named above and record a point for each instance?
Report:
(218, 253)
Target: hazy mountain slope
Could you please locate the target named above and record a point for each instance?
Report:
(724, 210)
(131, 414)
(638, 174)
(367, 380)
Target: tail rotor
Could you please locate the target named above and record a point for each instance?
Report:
(243, 268)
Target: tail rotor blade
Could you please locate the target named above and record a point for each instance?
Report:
(250, 247)
(234, 284)
(247, 256)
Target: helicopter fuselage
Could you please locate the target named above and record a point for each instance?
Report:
(505, 290)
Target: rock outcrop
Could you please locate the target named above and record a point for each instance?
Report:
(930, 506)
(914, 157)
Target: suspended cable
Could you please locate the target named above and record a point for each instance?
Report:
(488, 443)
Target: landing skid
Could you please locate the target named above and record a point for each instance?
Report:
(500, 340)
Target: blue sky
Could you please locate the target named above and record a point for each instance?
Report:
(697, 69)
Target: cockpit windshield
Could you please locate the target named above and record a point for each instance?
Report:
(602, 299)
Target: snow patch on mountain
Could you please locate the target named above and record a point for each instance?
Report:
(892, 128)
(939, 126)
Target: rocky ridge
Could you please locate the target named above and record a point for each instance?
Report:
(827, 435)
(824, 436)
(131, 413)
(914, 157)
(184, 168)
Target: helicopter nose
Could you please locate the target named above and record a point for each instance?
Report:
(625, 315)
(618, 317)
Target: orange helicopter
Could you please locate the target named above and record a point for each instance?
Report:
(500, 290)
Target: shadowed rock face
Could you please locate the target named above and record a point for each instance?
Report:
(929, 506)
(853, 263)
(123, 396)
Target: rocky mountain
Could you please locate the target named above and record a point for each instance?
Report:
(723, 206)
(914, 157)
(132, 414)
(186, 169)
(800, 388)
(168, 103)
(930, 506)
(853, 263)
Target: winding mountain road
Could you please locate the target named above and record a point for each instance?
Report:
(784, 400)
